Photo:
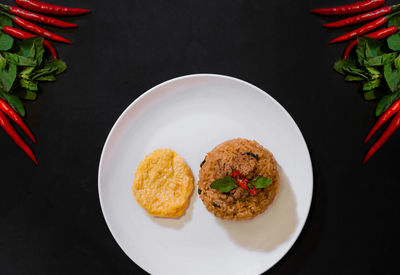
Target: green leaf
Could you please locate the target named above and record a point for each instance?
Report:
(26, 94)
(5, 21)
(19, 60)
(339, 65)
(397, 62)
(26, 48)
(25, 73)
(386, 102)
(373, 73)
(360, 50)
(14, 102)
(393, 41)
(370, 85)
(368, 48)
(347, 66)
(392, 76)
(6, 41)
(373, 48)
(224, 185)
(31, 48)
(7, 76)
(373, 94)
(394, 20)
(49, 78)
(50, 67)
(3, 62)
(381, 60)
(30, 85)
(261, 182)
(350, 77)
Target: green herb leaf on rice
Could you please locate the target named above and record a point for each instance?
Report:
(261, 182)
(224, 184)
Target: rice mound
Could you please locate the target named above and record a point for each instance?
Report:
(241, 155)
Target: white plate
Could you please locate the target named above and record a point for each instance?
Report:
(191, 115)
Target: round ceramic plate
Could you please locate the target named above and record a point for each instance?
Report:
(191, 115)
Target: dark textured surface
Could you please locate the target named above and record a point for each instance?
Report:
(50, 217)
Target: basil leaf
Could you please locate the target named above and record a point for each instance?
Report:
(373, 48)
(25, 73)
(370, 85)
(261, 182)
(373, 94)
(350, 77)
(14, 102)
(30, 85)
(3, 62)
(392, 76)
(338, 66)
(381, 60)
(26, 48)
(6, 41)
(393, 41)
(368, 48)
(224, 185)
(373, 73)
(7, 76)
(19, 60)
(49, 77)
(360, 50)
(346, 66)
(385, 102)
(26, 94)
(31, 48)
(54, 66)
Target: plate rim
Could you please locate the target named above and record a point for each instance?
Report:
(200, 75)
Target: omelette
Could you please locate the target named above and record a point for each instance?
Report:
(163, 184)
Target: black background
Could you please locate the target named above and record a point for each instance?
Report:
(50, 216)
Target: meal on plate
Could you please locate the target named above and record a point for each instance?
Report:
(238, 179)
(163, 184)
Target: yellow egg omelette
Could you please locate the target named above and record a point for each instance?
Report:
(163, 184)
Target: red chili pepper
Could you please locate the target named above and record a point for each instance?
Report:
(16, 118)
(35, 29)
(24, 35)
(349, 48)
(376, 35)
(362, 17)
(362, 30)
(42, 7)
(384, 117)
(243, 182)
(38, 30)
(37, 17)
(6, 125)
(239, 181)
(351, 8)
(394, 124)
(253, 189)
